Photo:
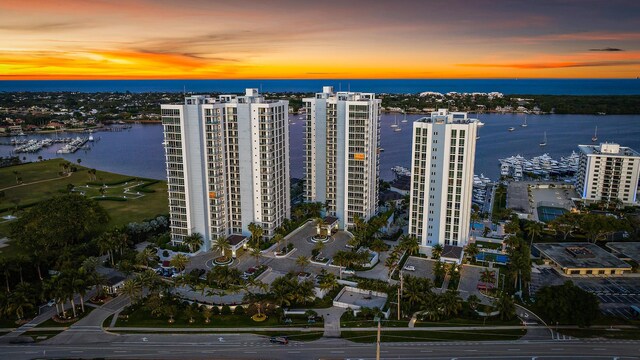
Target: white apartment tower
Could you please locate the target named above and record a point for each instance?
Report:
(227, 165)
(608, 171)
(341, 160)
(443, 155)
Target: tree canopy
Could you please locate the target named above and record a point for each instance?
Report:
(58, 222)
(567, 304)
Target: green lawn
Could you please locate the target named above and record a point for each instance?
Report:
(468, 322)
(371, 323)
(440, 335)
(121, 212)
(293, 335)
(141, 318)
(51, 323)
(107, 322)
(630, 334)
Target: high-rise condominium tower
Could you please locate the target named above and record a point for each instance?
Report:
(227, 165)
(608, 172)
(342, 137)
(443, 154)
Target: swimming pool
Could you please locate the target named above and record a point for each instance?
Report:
(497, 258)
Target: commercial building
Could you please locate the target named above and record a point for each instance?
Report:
(227, 165)
(443, 155)
(341, 159)
(582, 259)
(608, 172)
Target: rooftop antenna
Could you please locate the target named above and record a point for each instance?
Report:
(260, 88)
(184, 90)
(339, 86)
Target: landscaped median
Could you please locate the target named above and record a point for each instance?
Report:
(401, 335)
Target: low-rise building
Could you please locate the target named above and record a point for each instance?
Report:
(582, 259)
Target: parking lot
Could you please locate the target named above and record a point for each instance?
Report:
(469, 279)
(616, 295)
(423, 267)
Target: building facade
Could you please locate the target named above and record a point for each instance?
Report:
(227, 165)
(607, 172)
(341, 153)
(442, 160)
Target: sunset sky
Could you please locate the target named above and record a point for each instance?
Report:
(236, 39)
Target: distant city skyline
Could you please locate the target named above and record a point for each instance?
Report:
(144, 39)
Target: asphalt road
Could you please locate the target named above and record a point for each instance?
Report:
(246, 346)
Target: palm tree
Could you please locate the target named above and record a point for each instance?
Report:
(146, 256)
(506, 306)
(451, 302)
(278, 237)
(436, 251)
(281, 291)
(303, 262)
(414, 289)
(378, 246)
(133, 289)
(534, 229)
(180, 261)
(432, 305)
(6, 267)
(473, 301)
(20, 300)
(206, 313)
(512, 227)
(439, 271)
(392, 262)
(221, 245)
(303, 291)
(328, 282)
(318, 247)
(256, 254)
(410, 244)
(106, 245)
(320, 228)
(193, 241)
(256, 233)
(341, 259)
(488, 276)
(471, 250)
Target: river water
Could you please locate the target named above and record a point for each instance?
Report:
(138, 151)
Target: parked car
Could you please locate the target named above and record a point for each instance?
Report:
(349, 271)
(279, 340)
(51, 302)
(409, 268)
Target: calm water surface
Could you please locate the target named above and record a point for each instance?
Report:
(139, 152)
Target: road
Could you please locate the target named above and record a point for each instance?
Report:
(246, 346)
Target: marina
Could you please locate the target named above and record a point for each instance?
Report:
(543, 166)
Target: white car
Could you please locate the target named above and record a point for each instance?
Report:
(409, 268)
(349, 271)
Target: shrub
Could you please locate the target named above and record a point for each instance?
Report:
(239, 310)
(226, 310)
(215, 310)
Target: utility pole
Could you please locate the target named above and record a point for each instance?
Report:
(400, 290)
(378, 342)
